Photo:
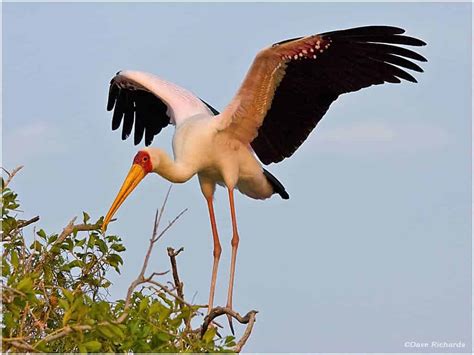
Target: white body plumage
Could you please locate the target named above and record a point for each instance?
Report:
(200, 148)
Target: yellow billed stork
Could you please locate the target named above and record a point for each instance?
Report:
(287, 90)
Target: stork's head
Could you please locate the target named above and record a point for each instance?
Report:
(145, 161)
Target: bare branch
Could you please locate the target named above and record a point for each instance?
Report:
(11, 175)
(71, 228)
(173, 252)
(23, 346)
(247, 332)
(248, 319)
(177, 283)
(67, 231)
(23, 224)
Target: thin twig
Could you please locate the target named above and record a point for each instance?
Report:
(154, 238)
(162, 209)
(168, 291)
(11, 175)
(141, 279)
(170, 224)
(153, 274)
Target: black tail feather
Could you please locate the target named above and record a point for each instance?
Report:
(277, 185)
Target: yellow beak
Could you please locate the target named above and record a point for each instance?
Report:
(135, 175)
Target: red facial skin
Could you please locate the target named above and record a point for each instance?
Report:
(143, 159)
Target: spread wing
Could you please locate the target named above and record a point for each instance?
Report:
(291, 84)
(149, 103)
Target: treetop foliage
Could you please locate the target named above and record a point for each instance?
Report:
(55, 294)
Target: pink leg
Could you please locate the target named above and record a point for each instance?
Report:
(235, 244)
(217, 252)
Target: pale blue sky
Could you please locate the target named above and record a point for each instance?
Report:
(372, 249)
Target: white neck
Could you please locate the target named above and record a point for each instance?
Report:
(173, 171)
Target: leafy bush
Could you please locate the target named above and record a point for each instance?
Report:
(55, 299)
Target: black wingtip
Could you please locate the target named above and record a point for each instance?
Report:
(213, 110)
(277, 185)
(113, 94)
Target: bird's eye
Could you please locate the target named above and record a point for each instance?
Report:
(145, 158)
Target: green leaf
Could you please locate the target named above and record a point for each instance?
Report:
(68, 294)
(82, 349)
(36, 245)
(75, 263)
(85, 217)
(25, 285)
(134, 326)
(115, 259)
(105, 331)
(93, 345)
(52, 238)
(80, 243)
(67, 245)
(67, 316)
(117, 331)
(14, 259)
(155, 308)
(143, 305)
(118, 247)
(91, 241)
(8, 320)
(106, 284)
(102, 246)
(5, 269)
(164, 336)
(230, 340)
(42, 234)
(167, 301)
(164, 314)
(55, 249)
(209, 335)
(63, 304)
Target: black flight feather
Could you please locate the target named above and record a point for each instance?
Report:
(354, 59)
